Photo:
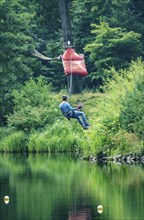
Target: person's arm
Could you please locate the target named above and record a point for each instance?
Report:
(70, 107)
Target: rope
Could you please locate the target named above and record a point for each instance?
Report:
(70, 78)
(43, 57)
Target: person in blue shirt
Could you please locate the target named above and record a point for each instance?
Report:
(70, 112)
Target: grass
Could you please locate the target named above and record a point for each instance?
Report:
(59, 137)
(14, 142)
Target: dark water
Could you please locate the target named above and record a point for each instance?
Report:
(45, 187)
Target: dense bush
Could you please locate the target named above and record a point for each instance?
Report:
(132, 118)
(35, 106)
(117, 114)
(60, 137)
(14, 142)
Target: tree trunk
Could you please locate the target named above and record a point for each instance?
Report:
(75, 86)
(65, 22)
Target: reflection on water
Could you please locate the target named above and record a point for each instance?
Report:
(42, 187)
(80, 215)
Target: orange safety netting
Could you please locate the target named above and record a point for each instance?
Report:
(74, 63)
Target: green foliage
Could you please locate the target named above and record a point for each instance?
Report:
(116, 39)
(112, 111)
(126, 17)
(15, 45)
(112, 47)
(60, 137)
(82, 15)
(47, 38)
(127, 14)
(28, 25)
(14, 142)
(132, 118)
(46, 25)
(36, 112)
(2, 132)
(35, 106)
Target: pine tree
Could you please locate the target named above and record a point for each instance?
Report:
(15, 46)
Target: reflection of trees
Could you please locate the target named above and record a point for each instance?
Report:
(52, 185)
(80, 215)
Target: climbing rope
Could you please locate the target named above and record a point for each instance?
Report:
(70, 77)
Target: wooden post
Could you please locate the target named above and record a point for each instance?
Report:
(68, 41)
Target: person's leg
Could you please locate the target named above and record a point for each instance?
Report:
(78, 115)
(84, 118)
(80, 121)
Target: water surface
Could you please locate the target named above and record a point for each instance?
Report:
(43, 187)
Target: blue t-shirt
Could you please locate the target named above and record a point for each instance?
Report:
(65, 107)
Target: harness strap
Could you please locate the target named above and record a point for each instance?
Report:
(69, 114)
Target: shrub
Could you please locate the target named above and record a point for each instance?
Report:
(35, 106)
(14, 142)
(133, 106)
(61, 136)
(114, 109)
(3, 132)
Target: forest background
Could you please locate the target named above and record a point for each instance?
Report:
(110, 33)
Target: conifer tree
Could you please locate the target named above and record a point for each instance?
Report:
(15, 47)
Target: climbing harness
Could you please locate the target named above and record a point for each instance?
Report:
(68, 114)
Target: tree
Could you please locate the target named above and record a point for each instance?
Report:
(47, 35)
(27, 25)
(15, 45)
(125, 14)
(112, 47)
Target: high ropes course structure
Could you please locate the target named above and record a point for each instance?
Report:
(73, 63)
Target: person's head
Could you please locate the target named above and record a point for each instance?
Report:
(64, 98)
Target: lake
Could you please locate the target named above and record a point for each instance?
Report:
(65, 187)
